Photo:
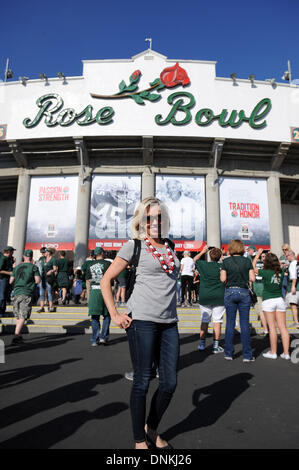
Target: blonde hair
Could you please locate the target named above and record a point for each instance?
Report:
(236, 247)
(138, 229)
(285, 246)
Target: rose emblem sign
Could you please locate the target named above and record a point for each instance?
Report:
(169, 78)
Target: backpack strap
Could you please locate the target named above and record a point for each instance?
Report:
(170, 243)
(136, 254)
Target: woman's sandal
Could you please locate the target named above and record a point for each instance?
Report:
(151, 437)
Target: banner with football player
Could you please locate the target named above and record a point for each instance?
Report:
(113, 202)
(244, 212)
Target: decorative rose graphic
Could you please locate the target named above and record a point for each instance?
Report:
(169, 77)
(173, 76)
(234, 214)
(135, 76)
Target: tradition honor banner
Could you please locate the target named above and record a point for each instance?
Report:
(114, 199)
(184, 197)
(52, 212)
(244, 211)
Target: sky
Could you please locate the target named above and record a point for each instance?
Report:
(245, 37)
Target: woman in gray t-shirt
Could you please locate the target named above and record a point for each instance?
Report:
(151, 320)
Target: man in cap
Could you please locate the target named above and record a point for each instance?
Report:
(251, 252)
(96, 305)
(24, 277)
(6, 266)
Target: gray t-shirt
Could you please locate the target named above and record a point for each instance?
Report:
(154, 295)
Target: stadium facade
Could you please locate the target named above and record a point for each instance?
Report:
(78, 153)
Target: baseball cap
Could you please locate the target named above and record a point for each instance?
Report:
(43, 249)
(98, 250)
(252, 247)
(28, 253)
(9, 248)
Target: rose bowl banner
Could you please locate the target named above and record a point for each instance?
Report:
(184, 197)
(113, 202)
(52, 212)
(244, 211)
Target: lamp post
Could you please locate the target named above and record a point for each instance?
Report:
(8, 72)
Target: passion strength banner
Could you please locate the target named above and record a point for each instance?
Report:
(114, 199)
(244, 212)
(184, 197)
(52, 212)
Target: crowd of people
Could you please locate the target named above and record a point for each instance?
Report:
(197, 284)
(222, 283)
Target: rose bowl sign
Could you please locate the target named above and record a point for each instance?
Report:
(52, 112)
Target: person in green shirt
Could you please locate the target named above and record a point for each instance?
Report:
(62, 267)
(274, 306)
(24, 277)
(237, 271)
(86, 280)
(211, 296)
(6, 267)
(258, 287)
(96, 305)
(50, 270)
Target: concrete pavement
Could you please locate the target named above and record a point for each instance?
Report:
(57, 392)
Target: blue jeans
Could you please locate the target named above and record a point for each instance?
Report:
(42, 290)
(3, 288)
(97, 334)
(236, 298)
(149, 342)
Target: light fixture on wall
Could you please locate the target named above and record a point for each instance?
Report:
(233, 76)
(62, 77)
(288, 74)
(23, 80)
(252, 78)
(43, 76)
(272, 82)
(8, 72)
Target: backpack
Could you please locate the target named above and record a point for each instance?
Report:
(131, 278)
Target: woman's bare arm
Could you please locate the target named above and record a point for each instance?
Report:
(118, 265)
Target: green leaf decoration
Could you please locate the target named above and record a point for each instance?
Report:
(131, 88)
(137, 99)
(153, 97)
(144, 94)
(160, 87)
(122, 85)
(155, 82)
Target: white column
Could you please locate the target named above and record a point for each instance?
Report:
(213, 211)
(82, 218)
(148, 183)
(21, 214)
(275, 215)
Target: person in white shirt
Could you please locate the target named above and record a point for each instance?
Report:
(293, 286)
(187, 272)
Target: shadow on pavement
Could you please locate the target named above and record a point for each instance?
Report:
(72, 393)
(217, 399)
(59, 429)
(27, 374)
